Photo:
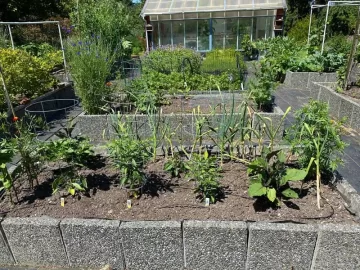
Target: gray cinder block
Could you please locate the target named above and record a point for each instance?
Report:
(5, 255)
(92, 242)
(338, 247)
(355, 118)
(299, 80)
(35, 241)
(215, 244)
(93, 126)
(345, 111)
(152, 245)
(331, 77)
(280, 246)
(316, 77)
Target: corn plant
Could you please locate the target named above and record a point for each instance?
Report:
(319, 144)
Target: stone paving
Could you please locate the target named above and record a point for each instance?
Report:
(296, 98)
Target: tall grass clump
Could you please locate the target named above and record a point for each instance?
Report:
(91, 61)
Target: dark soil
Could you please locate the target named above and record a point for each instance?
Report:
(205, 103)
(354, 93)
(172, 199)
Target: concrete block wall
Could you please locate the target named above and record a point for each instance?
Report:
(212, 245)
(340, 106)
(304, 79)
(99, 127)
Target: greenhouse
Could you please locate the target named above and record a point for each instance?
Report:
(211, 24)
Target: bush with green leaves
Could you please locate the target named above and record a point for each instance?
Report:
(316, 116)
(175, 165)
(129, 155)
(110, 20)
(25, 75)
(168, 59)
(218, 61)
(50, 57)
(299, 32)
(270, 177)
(281, 52)
(90, 62)
(72, 151)
(205, 172)
(7, 152)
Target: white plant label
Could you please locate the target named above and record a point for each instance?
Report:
(128, 204)
(62, 202)
(207, 201)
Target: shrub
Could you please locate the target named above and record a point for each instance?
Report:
(48, 54)
(90, 66)
(280, 54)
(299, 32)
(25, 75)
(316, 115)
(109, 19)
(338, 44)
(169, 59)
(218, 61)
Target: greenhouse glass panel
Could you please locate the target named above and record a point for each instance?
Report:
(183, 6)
(155, 35)
(165, 33)
(218, 26)
(231, 33)
(204, 34)
(260, 28)
(244, 28)
(191, 34)
(178, 32)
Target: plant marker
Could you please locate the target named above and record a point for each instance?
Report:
(62, 202)
(207, 202)
(128, 204)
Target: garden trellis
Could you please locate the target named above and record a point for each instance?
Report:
(328, 5)
(8, 25)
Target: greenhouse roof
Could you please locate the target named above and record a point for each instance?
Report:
(158, 7)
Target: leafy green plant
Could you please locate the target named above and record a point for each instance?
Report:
(247, 46)
(90, 62)
(30, 149)
(6, 181)
(281, 52)
(168, 59)
(204, 171)
(175, 165)
(71, 181)
(129, 155)
(270, 177)
(111, 20)
(72, 151)
(299, 32)
(316, 115)
(319, 148)
(25, 75)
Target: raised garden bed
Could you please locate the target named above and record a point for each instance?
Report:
(303, 79)
(166, 198)
(341, 106)
(178, 114)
